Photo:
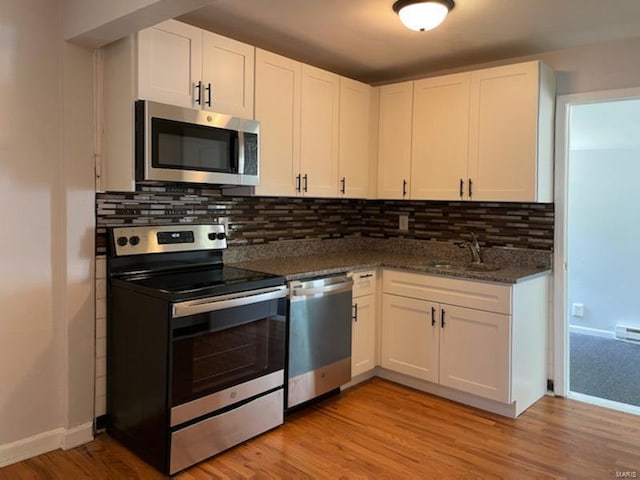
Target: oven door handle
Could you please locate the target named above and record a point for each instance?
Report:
(221, 302)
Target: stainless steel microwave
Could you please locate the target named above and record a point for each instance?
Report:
(175, 144)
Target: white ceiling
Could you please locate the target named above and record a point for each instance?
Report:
(364, 39)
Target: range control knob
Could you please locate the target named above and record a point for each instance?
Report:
(135, 240)
(122, 241)
(212, 236)
(221, 236)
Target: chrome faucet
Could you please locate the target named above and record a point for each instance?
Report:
(474, 248)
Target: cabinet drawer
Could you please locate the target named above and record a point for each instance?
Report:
(465, 293)
(364, 283)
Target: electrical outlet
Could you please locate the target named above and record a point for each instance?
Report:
(577, 310)
(403, 222)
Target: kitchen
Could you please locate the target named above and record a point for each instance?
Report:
(49, 344)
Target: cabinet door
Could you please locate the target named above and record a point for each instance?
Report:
(363, 338)
(277, 106)
(504, 132)
(475, 353)
(227, 69)
(169, 63)
(354, 157)
(319, 116)
(410, 337)
(439, 150)
(394, 140)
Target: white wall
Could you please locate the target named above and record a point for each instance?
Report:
(582, 69)
(93, 23)
(31, 400)
(603, 222)
(46, 238)
(79, 199)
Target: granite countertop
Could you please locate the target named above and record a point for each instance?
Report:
(307, 266)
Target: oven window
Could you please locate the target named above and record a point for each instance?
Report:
(186, 146)
(217, 350)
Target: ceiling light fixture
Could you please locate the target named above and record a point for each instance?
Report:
(422, 15)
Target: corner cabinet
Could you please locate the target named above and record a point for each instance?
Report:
(354, 137)
(478, 338)
(185, 66)
(483, 135)
(314, 130)
(394, 140)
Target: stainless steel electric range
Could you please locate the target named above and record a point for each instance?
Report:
(196, 349)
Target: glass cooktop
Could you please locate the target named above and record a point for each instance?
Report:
(198, 283)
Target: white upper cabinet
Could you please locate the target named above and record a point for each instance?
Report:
(354, 154)
(319, 117)
(277, 106)
(394, 140)
(511, 133)
(169, 63)
(228, 71)
(185, 66)
(298, 109)
(482, 135)
(440, 137)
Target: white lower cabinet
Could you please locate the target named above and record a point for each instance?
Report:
(480, 338)
(409, 340)
(475, 352)
(363, 333)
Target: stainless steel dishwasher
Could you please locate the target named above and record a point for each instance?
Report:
(319, 337)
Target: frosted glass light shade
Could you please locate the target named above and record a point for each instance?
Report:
(422, 15)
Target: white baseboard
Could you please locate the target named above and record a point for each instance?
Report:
(76, 436)
(45, 442)
(506, 410)
(592, 331)
(603, 402)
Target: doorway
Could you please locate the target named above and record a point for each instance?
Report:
(597, 317)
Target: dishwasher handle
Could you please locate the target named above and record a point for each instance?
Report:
(319, 288)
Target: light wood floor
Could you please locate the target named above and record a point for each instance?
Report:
(382, 430)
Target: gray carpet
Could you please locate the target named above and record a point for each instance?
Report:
(605, 368)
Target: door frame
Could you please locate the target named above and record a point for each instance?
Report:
(560, 341)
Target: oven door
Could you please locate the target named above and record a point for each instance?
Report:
(226, 350)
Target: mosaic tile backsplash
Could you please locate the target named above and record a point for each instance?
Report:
(259, 220)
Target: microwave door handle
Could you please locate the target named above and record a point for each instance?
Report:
(239, 148)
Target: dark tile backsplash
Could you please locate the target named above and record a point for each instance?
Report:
(255, 220)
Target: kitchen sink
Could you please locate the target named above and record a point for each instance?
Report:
(475, 267)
